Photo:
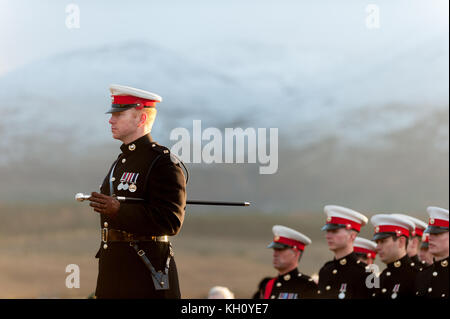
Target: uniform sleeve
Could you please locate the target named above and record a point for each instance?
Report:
(163, 211)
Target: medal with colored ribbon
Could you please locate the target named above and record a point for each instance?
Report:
(133, 186)
(395, 290)
(128, 178)
(342, 291)
(122, 179)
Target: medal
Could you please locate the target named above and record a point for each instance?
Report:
(127, 179)
(395, 290)
(133, 186)
(342, 291)
(122, 179)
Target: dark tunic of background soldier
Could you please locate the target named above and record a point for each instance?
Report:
(345, 276)
(288, 246)
(433, 281)
(415, 240)
(391, 235)
(144, 170)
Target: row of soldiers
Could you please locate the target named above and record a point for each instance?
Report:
(396, 240)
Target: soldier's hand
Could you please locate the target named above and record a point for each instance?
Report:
(104, 204)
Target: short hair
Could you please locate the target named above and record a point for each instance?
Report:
(395, 237)
(151, 116)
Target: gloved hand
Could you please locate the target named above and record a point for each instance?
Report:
(104, 204)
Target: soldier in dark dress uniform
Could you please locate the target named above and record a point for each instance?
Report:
(345, 276)
(135, 258)
(391, 235)
(433, 282)
(425, 257)
(415, 240)
(288, 246)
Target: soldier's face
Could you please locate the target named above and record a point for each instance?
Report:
(284, 258)
(424, 254)
(438, 244)
(124, 124)
(338, 238)
(388, 249)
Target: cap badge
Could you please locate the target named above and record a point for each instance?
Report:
(377, 229)
(369, 255)
(398, 233)
(343, 262)
(348, 226)
(431, 221)
(397, 264)
(329, 219)
(276, 238)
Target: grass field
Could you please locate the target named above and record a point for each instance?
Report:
(225, 248)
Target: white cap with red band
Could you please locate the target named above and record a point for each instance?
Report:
(125, 97)
(388, 224)
(419, 226)
(340, 217)
(287, 237)
(365, 246)
(438, 221)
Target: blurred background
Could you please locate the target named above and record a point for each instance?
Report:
(362, 114)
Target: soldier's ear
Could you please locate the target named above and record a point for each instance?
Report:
(143, 118)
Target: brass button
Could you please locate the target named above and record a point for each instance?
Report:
(287, 277)
(278, 284)
(443, 295)
(272, 297)
(299, 274)
(327, 287)
(435, 274)
(334, 271)
(413, 264)
(343, 261)
(113, 179)
(430, 289)
(383, 290)
(132, 147)
(153, 145)
(444, 263)
(388, 273)
(397, 264)
(124, 160)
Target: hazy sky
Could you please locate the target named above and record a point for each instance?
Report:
(30, 30)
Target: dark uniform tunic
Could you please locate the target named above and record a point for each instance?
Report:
(293, 285)
(432, 282)
(417, 263)
(343, 278)
(397, 280)
(122, 274)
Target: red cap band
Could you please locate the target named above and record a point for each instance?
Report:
(128, 99)
(290, 242)
(392, 229)
(344, 221)
(368, 252)
(438, 222)
(418, 232)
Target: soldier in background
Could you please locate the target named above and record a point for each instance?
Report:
(415, 240)
(345, 276)
(433, 282)
(288, 246)
(391, 235)
(425, 257)
(365, 250)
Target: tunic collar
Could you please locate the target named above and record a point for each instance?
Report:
(137, 144)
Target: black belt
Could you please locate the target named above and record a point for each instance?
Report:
(115, 235)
